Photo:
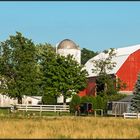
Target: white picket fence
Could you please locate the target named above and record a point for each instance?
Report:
(131, 115)
(42, 108)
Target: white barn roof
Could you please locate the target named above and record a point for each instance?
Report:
(121, 56)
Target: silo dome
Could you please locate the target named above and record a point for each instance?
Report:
(68, 47)
(67, 44)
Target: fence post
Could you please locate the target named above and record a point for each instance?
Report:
(55, 108)
(95, 113)
(101, 112)
(26, 107)
(116, 110)
(137, 115)
(124, 115)
(40, 110)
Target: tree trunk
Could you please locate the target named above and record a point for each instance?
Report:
(64, 103)
(19, 100)
(55, 100)
(105, 88)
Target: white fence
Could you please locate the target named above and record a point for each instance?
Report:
(131, 115)
(95, 112)
(41, 108)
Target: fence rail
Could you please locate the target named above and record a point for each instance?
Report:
(41, 108)
(131, 115)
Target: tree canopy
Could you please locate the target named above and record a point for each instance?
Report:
(29, 69)
(18, 65)
(135, 103)
(105, 63)
(61, 75)
(86, 55)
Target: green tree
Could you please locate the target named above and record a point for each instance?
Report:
(105, 82)
(86, 55)
(74, 103)
(46, 59)
(105, 63)
(135, 103)
(49, 99)
(18, 62)
(3, 86)
(62, 75)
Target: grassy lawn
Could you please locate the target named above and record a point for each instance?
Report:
(6, 112)
(69, 127)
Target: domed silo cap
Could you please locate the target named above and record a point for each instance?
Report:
(67, 44)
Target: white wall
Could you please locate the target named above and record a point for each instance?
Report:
(33, 100)
(6, 101)
(60, 99)
(75, 52)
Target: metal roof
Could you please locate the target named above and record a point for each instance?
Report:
(67, 44)
(127, 98)
(121, 56)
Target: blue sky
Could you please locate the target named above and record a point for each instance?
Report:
(93, 25)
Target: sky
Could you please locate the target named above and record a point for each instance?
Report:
(94, 25)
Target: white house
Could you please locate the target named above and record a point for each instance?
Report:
(6, 101)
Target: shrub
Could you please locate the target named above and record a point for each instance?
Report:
(94, 102)
(116, 97)
(90, 99)
(98, 102)
(87, 99)
(49, 100)
(74, 102)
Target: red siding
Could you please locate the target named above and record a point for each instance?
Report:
(90, 90)
(83, 92)
(129, 70)
(127, 73)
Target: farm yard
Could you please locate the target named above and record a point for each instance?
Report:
(65, 91)
(69, 127)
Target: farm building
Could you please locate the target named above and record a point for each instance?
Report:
(127, 68)
(121, 106)
(6, 101)
(66, 47)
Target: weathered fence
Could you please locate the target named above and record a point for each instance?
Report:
(118, 108)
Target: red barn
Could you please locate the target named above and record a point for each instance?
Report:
(127, 68)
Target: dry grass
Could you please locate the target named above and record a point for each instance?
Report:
(70, 127)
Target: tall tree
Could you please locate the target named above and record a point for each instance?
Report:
(135, 103)
(62, 75)
(86, 55)
(105, 63)
(106, 83)
(18, 62)
(46, 56)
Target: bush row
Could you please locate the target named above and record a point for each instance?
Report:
(98, 102)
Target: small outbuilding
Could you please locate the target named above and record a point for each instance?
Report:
(119, 107)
